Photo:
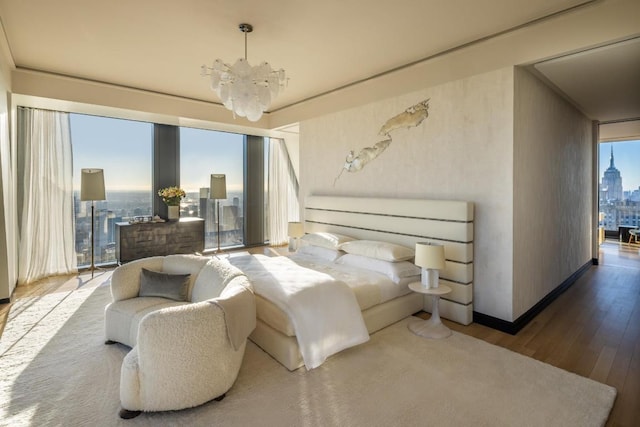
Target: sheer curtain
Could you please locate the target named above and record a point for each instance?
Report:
(284, 205)
(45, 195)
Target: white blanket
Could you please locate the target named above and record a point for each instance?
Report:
(324, 312)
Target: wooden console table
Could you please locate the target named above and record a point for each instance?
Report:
(146, 239)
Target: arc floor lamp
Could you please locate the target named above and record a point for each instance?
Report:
(92, 189)
(217, 191)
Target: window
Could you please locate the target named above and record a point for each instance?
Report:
(619, 183)
(123, 149)
(206, 152)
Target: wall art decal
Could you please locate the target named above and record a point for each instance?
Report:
(411, 117)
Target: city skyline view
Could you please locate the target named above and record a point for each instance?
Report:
(124, 150)
(626, 155)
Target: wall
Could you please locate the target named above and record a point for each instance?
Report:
(552, 191)
(8, 235)
(463, 151)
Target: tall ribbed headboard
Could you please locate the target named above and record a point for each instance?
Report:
(405, 222)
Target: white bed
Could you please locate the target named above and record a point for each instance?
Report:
(380, 301)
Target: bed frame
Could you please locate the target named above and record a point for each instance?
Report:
(401, 221)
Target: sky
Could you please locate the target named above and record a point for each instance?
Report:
(123, 149)
(626, 158)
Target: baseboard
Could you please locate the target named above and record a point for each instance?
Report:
(514, 327)
(5, 300)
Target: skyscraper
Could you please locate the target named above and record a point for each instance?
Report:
(611, 186)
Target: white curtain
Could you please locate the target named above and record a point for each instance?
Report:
(284, 205)
(45, 195)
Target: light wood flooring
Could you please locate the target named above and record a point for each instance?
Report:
(592, 329)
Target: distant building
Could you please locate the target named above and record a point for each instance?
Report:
(611, 185)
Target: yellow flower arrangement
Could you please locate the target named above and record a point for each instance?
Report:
(172, 195)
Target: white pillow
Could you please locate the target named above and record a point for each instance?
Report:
(319, 252)
(379, 250)
(326, 240)
(393, 270)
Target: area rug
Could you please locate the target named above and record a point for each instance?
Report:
(56, 371)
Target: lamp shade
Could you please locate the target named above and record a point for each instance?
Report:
(429, 255)
(295, 229)
(92, 185)
(218, 187)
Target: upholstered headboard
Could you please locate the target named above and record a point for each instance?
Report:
(405, 222)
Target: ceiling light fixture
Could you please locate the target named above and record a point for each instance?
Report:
(243, 89)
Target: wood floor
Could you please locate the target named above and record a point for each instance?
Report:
(593, 329)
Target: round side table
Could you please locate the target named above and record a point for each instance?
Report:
(432, 328)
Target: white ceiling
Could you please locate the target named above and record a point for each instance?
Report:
(159, 45)
(603, 82)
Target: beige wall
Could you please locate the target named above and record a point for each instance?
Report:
(463, 151)
(552, 191)
(8, 235)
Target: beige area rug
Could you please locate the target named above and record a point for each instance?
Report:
(56, 371)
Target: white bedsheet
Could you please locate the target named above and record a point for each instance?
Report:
(370, 287)
(324, 311)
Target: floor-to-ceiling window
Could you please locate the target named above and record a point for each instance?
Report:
(619, 195)
(123, 149)
(206, 152)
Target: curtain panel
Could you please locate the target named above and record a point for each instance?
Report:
(284, 205)
(45, 195)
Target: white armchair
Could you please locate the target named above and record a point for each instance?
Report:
(184, 353)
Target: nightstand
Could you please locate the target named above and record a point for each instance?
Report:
(432, 328)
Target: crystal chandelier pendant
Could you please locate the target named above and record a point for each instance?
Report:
(245, 90)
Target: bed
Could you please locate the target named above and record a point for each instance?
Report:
(397, 221)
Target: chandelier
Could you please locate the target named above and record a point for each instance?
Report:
(243, 89)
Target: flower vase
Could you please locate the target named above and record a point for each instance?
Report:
(173, 213)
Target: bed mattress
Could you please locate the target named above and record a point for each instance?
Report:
(370, 289)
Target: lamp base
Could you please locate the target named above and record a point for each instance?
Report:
(430, 278)
(293, 244)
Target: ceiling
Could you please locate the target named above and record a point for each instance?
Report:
(159, 45)
(603, 82)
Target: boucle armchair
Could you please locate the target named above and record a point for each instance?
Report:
(184, 353)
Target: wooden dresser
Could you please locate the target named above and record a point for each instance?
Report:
(142, 240)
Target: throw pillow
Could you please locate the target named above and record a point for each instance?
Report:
(165, 285)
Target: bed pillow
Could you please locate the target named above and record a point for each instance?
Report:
(165, 285)
(325, 239)
(396, 271)
(320, 252)
(379, 250)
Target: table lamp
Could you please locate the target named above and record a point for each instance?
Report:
(294, 230)
(430, 256)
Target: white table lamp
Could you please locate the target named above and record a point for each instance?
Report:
(92, 189)
(217, 191)
(295, 230)
(430, 257)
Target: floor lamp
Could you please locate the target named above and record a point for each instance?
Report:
(217, 191)
(92, 188)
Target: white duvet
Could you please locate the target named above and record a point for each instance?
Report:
(324, 311)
